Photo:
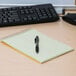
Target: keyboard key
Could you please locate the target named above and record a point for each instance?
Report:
(25, 19)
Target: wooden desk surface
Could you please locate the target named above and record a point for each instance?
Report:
(14, 64)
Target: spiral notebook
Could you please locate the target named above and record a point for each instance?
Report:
(24, 43)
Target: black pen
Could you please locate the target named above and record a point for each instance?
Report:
(37, 44)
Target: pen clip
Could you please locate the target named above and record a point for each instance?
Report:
(36, 40)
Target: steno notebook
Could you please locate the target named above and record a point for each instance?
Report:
(25, 43)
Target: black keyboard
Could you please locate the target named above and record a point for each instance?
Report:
(22, 15)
